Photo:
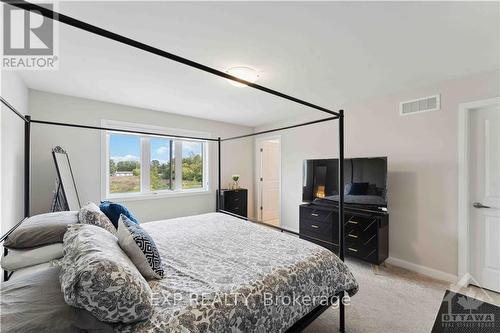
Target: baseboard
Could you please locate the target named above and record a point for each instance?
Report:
(430, 272)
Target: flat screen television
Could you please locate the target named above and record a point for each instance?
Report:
(365, 181)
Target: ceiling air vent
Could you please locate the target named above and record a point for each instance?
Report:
(431, 103)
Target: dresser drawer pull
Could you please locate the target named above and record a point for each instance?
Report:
(236, 208)
(315, 214)
(236, 199)
(351, 249)
(352, 236)
(314, 226)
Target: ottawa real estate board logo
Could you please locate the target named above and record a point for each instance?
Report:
(29, 39)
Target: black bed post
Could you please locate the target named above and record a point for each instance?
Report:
(341, 211)
(27, 155)
(218, 174)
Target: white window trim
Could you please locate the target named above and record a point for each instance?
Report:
(145, 156)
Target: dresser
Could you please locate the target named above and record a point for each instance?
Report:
(235, 201)
(366, 232)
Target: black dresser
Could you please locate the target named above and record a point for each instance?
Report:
(235, 201)
(366, 231)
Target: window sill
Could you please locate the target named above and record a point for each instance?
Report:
(157, 195)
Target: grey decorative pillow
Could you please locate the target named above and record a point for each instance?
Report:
(41, 230)
(96, 275)
(91, 214)
(140, 247)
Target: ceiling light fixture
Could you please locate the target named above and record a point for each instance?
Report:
(243, 72)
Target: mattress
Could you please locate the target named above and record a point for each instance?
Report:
(224, 274)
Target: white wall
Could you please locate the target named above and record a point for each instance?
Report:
(84, 146)
(15, 92)
(423, 167)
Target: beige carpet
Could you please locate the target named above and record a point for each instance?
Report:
(390, 299)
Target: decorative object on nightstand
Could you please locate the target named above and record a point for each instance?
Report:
(235, 201)
(235, 185)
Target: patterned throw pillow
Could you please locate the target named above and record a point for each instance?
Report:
(113, 211)
(140, 247)
(97, 276)
(91, 214)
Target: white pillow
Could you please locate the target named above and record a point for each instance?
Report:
(16, 259)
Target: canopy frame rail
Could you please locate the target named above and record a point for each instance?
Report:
(154, 50)
(280, 128)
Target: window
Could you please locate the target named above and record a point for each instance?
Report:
(161, 175)
(138, 165)
(192, 164)
(124, 164)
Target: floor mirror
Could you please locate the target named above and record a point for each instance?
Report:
(66, 195)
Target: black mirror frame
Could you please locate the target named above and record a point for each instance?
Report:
(60, 150)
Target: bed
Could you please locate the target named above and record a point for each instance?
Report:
(216, 259)
(222, 274)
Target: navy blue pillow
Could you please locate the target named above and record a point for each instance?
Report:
(113, 210)
(359, 189)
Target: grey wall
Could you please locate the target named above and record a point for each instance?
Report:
(12, 153)
(84, 148)
(422, 165)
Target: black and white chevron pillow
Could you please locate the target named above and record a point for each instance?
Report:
(140, 248)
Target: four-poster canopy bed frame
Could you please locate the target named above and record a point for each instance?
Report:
(306, 320)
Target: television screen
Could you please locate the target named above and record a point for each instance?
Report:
(365, 181)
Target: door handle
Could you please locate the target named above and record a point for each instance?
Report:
(479, 205)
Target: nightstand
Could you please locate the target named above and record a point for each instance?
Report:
(235, 201)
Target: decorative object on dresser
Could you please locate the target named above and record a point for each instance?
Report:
(366, 231)
(235, 201)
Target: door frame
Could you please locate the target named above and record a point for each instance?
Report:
(464, 110)
(258, 166)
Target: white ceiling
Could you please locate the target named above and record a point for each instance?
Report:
(328, 53)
